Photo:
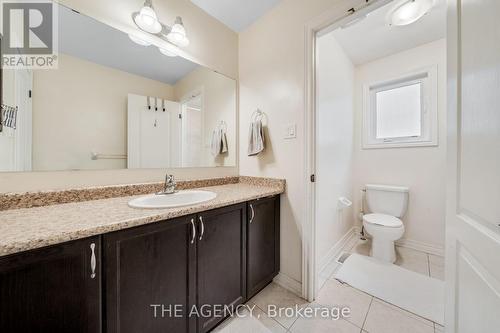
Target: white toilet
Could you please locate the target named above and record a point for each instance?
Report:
(387, 205)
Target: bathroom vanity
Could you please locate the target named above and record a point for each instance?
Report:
(115, 281)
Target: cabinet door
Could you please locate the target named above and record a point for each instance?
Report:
(53, 289)
(150, 268)
(263, 243)
(221, 261)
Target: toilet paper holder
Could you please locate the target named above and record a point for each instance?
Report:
(344, 203)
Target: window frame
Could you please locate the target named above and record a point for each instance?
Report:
(427, 77)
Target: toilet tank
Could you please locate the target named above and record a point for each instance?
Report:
(385, 199)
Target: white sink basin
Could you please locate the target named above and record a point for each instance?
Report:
(177, 199)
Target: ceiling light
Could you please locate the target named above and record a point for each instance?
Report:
(138, 40)
(147, 20)
(177, 34)
(166, 52)
(410, 11)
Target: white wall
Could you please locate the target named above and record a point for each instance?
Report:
(212, 44)
(422, 169)
(271, 58)
(334, 144)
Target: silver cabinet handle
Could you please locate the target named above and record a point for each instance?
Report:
(202, 228)
(253, 213)
(93, 261)
(194, 231)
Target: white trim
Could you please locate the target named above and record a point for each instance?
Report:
(421, 246)
(330, 259)
(331, 19)
(337, 248)
(289, 283)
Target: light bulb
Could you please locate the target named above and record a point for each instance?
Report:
(410, 12)
(177, 34)
(147, 20)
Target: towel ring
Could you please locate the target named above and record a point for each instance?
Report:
(223, 125)
(257, 115)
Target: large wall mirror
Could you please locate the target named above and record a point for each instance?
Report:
(113, 104)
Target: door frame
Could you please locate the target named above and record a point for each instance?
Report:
(341, 13)
(186, 98)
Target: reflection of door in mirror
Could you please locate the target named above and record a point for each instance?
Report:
(152, 132)
(15, 141)
(192, 131)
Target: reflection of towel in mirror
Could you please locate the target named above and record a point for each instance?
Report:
(223, 148)
(255, 138)
(218, 144)
(215, 144)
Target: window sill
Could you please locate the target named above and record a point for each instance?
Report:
(387, 145)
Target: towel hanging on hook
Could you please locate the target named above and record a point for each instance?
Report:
(8, 116)
(257, 115)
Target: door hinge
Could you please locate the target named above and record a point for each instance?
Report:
(180, 116)
(29, 93)
(313, 178)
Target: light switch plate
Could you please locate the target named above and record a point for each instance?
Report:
(290, 131)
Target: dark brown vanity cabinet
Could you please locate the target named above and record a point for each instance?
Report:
(172, 266)
(263, 234)
(150, 274)
(53, 289)
(221, 261)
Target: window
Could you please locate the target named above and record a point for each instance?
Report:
(401, 112)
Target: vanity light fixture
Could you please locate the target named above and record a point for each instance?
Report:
(147, 20)
(410, 11)
(177, 34)
(138, 40)
(166, 52)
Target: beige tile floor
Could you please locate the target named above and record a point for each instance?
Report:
(368, 314)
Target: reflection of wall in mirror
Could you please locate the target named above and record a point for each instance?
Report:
(219, 103)
(82, 108)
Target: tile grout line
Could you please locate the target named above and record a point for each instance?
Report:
(263, 311)
(366, 316)
(428, 264)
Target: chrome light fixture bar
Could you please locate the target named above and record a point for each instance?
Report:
(147, 21)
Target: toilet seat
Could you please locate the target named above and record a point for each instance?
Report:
(383, 220)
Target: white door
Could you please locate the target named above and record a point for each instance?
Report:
(192, 132)
(24, 131)
(149, 133)
(473, 212)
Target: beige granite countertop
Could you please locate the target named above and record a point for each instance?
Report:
(31, 228)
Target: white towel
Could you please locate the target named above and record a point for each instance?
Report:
(255, 138)
(224, 148)
(215, 144)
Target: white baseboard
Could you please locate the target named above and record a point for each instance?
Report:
(336, 249)
(289, 283)
(421, 246)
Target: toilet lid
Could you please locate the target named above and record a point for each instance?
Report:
(383, 220)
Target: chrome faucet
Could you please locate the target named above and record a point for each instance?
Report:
(169, 186)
